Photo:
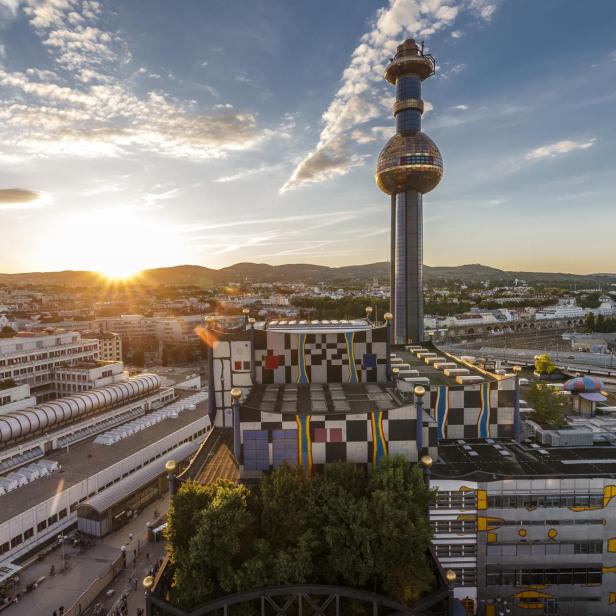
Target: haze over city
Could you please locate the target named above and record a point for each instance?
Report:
(146, 134)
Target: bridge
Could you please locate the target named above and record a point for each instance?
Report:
(507, 327)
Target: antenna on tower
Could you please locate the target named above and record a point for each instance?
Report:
(422, 47)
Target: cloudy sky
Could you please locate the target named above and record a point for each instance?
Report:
(145, 133)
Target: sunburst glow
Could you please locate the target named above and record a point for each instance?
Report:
(116, 242)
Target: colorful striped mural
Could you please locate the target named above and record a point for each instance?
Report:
(379, 443)
(442, 410)
(301, 354)
(483, 423)
(349, 336)
(304, 444)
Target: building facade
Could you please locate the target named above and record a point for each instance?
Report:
(520, 543)
(32, 359)
(109, 344)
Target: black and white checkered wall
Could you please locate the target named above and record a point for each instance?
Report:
(270, 438)
(325, 357)
(485, 410)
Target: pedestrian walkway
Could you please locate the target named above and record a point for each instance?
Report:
(64, 589)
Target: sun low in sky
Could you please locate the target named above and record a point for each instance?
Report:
(115, 242)
(142, 134)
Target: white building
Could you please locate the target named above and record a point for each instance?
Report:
(565, 309)
(33, 359)
(14, 398)
(607, 307)
(85, 376)
(110, 346)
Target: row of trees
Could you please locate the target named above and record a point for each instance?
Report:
(600, 324)
(347, 307)
(341, 527)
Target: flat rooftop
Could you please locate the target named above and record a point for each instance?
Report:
(481, 460)
(325, 326)
(314, 399)
(86, 459)
(437, 376)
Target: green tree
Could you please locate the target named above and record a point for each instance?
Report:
(338, 527)
(7, 332)
(215, 537)
(548, 405)
(400, 499)
(589, 300)
(589, 322)
(544, 364)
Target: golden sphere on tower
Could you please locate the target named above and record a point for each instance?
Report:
(409, 162)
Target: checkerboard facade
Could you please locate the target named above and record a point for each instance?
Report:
(327, 358)
(474, 411)
(340, 436)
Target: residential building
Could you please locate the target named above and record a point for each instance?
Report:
(109, 344)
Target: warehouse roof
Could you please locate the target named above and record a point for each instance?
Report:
(124, 488)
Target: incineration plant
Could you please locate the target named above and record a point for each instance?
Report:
(409, 166)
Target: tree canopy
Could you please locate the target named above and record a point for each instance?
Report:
(7, 332)
(342, 527)
(600, 323)
(548, 405)
(544, 364)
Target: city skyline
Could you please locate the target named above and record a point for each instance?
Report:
(136, 138)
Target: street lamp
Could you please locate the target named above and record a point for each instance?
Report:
(123, 550)
(245, 312)
(450, 576)
(388, 316)
(174, 480)
(148, 584)
(170, 467)
(236, 394)
(517, 420)
(369, 312)
(426, 462)
(253, 367)
(420, 392)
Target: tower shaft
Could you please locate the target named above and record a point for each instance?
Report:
(409, 166)
(407, 285)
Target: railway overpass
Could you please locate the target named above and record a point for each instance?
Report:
(512, 328)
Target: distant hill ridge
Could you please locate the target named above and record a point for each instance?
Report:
(197, 275)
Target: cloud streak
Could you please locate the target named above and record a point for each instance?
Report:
(559, 148)
(360, 97)
(22, 199)
(17, 195)
(242, 175)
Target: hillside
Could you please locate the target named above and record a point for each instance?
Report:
(196, 275)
